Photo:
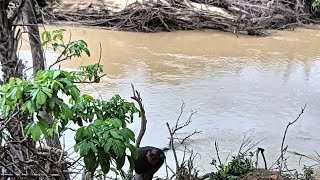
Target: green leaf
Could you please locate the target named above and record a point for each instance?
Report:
(115, 134)
(115, 122)
(46, 37)
(27, 128)
(58, 101)
(81, 133)
(6, 110)
(120, 161)
(30, 107)
(66, 111)
(82, 42)
(41, 98)
(84, 149)
(43, 125)
(90, 161)
(75, 93)
(106, 135)
(24, 106)
(76, 147)
(56, 74)
(47, 91)
(87, 51)
(34, 130)
(134, 151)
(118, 148)
(131, 161)
(108, 145)
(130, 134)
(55, 47)
(53, 128)
(114, 170)
(19, 93)
(13, 93)
(316, 3)
(51, 103)
(59, 84)
(93, 147)
(104, 160)
(58, 31)
(12, 82)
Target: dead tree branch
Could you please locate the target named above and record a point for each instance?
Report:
(143, 127)
(284, 137)
(261, 150)
(173, 149)
(217, 151)
(178, 126)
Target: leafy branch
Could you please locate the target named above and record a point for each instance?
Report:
(103, 141)
(68, 50)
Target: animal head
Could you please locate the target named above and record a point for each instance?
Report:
(154, 156)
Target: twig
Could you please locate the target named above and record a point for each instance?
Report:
(100, 53)
(180, 126)
(247, 142)
(181, 111)
(93, 81)
(217, 151)
(60, 60)
(174, 150)
(284, 137)
(12, 172)
(185, 138)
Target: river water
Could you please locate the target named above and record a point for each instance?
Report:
(236, 85)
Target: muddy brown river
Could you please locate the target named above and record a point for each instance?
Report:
(236, 85)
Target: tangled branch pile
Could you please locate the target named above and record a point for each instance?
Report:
(251, 16)
(20, 158)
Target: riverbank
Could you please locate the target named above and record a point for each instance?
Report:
(100, 13)
(244, 16)
(235, 84)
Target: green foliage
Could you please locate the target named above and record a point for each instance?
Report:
(68, 50)
(239, 165)
(104, 140)
(41, 94)
(92, 72)
(109, 139)
(89, 109)
(308, 173)
(316, 3)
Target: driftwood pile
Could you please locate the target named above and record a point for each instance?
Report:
(18, 160)
(249, 16)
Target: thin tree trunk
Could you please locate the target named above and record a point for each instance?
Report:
(39, 64)
(38, 59)
(34, 36)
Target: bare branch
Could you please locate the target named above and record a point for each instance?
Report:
(173, 149)
(143, 127)
(11, 171)
(187, 137)
(284, 137)
(217, 151)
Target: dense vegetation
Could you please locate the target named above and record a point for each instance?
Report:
(102, 139)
